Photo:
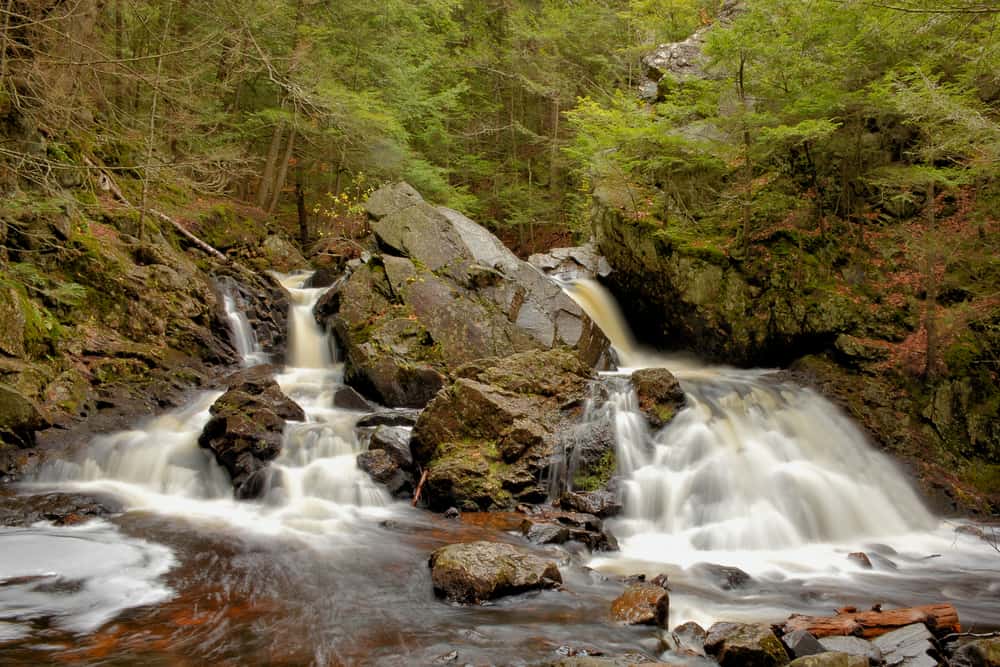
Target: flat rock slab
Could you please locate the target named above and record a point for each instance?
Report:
(642, 604)
(481, 571)
(910, 646)
(854, 646)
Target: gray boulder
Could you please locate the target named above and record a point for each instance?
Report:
(443, 292)
(853, 646)
(830, 659)
(481, 571)
(801, 643)
(910, 646)
(572, 263)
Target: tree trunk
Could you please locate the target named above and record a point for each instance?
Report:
(267, 178)
(554, 150)
(941, 619)
(279, 181)
(151, 135)
(930, 309)
(300, 207)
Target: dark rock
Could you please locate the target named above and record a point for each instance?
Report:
(642, 604)
(20, 417)
(861, 559)
(853, 646)
(586, 529)
(545, 533)
(489, 439)
(910, 646)
(830, 660)
(977, 653)
(380, 465)
(725, 577)
(62, 509)
(323, 277)
(660, 395)
(348, 399)
(481, 571)
(452, 513)
(745, 645)
(245, 431)
(396, 417)
(801, 643)
(602, 504)
(395, 441)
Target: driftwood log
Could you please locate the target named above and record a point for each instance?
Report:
(940, 619)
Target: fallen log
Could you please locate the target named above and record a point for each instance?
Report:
(939, 618)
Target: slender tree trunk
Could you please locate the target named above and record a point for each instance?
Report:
(300, 207)
(151, 133)
(747, 211)
(279, 181)
(554, 150)
(267, 178)
(5, 45)
(119, 51)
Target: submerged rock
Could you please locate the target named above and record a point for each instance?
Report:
(489, 438)
(642, 604)
(687, 639)
(481, 571)
(62, 509)
(245, 431)
(443, 292)
(745, 645)
(660, 395)
(550, 527)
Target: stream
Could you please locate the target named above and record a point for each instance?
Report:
(755, 473)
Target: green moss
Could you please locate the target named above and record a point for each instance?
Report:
(984, 477)
(597, 476)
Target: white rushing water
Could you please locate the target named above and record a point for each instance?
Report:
(316, 486)
(758, 474)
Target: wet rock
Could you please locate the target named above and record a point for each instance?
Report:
(853, 646)
(725, 577)
(602, 504)
(586, 529)
(642, 604)
(396, 417)
(395, 441)
(745, 645)
(910, 646)
(660, 395)
(830, 660)
(62, 509)
(801, 643)
(245, 431)
(443, 292)
(977, 653)
(861, 559)
(489, 438)
(323, 277)
(481, 571)
(452, 513)
(687, 639)
(20, 417)
(348, 399)
(545, 533)
(381, 466)
(607, 661)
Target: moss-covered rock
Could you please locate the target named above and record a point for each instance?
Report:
(745, 645)
(660, 395)
(481, 571)
(488, 439)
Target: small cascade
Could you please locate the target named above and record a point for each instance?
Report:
(244, 337)
(316, 485)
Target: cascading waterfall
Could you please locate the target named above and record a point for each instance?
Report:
(244, 338)
(316, 485)
(751, 464)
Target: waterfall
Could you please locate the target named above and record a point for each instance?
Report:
(244, 337)
(316, 485)
(751, 463)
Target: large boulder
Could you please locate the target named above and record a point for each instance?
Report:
(388, 459)
(481, 571)
(489, 439)
(20, 417)
(745, 645)
(443, 292)
(245, 431)
(909, 646)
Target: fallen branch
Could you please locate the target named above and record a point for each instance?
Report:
(109, 183)
(420, 486)
(939, 619)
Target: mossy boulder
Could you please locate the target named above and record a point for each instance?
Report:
(745, 645)
(488, 439)
(644, 603)
(12, 322)
(480, 571)
(20, 417)
(660, 395)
